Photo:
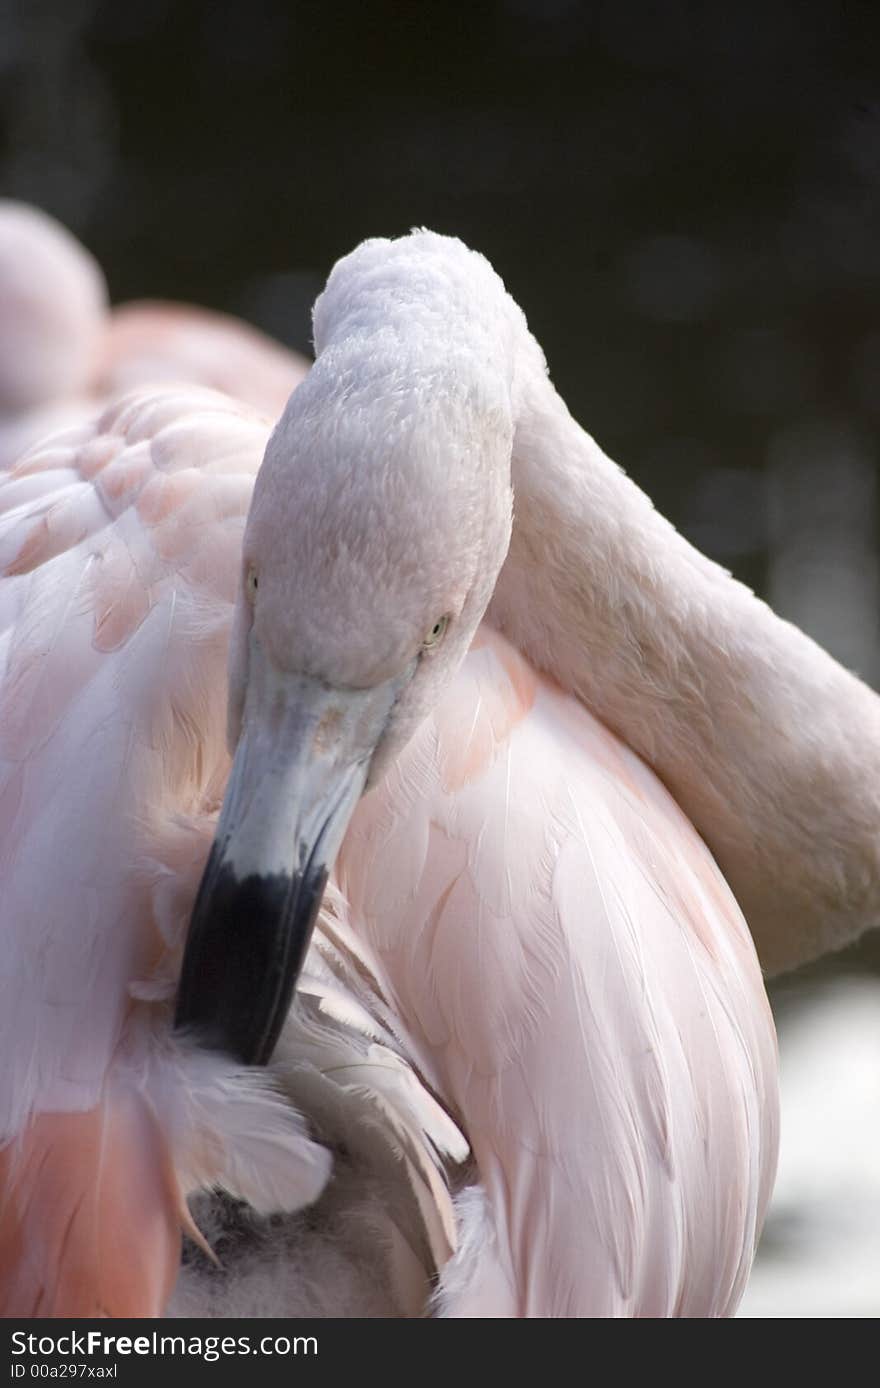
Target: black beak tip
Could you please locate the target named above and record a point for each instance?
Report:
(246, 945)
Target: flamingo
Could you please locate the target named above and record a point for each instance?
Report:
(64, 353)
(475, 679)
(53, 302)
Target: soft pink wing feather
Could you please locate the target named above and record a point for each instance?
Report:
(119, 546)
(119, 552)
(145, 343)
(580, 985)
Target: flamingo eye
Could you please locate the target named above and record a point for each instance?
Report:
(436, 634)
(251, 584)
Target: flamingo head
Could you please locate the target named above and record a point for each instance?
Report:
(380, 520)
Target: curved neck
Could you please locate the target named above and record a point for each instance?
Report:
(770, 747)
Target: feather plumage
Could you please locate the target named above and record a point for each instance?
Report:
(533, 1015)
(112, 761)
(585, 996)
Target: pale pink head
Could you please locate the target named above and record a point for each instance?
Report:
(380, 521)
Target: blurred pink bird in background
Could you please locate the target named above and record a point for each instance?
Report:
(64, 351)
(529, 1067)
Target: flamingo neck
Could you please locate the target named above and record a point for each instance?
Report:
(770, 747)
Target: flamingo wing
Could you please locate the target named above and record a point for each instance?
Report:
(119, 555)
(582, 988)
(145, 343)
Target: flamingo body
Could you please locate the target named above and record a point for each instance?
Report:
(532, 975)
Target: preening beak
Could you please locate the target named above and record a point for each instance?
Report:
(299, 770)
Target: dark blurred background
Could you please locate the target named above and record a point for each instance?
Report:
(684, 198)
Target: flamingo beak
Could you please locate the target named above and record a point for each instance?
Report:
(299, 770)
